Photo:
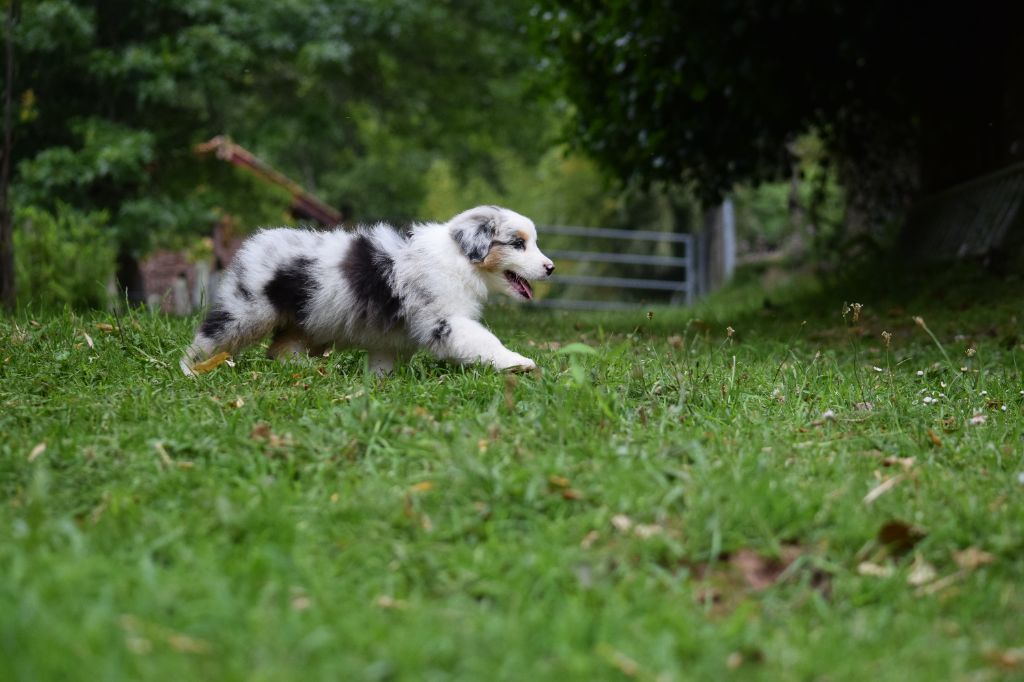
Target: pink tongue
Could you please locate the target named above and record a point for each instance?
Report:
(526, 289)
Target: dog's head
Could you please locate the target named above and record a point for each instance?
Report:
(502, 245)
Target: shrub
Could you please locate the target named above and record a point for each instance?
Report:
(62, 258)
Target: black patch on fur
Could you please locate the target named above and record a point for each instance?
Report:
(243, 292)
(214, 323)
(475, 241)
(441, 331)
(291, 287)
(370, 273)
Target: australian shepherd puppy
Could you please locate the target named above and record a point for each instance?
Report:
(375, 288)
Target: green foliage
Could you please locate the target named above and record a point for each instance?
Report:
(711, 92)
(352, 98)
(63, 257)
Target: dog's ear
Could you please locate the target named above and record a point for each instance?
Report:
(474, 231)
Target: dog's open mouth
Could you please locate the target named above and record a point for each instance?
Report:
(519, 285)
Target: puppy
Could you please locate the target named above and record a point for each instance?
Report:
(378, 289)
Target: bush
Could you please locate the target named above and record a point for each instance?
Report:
(62, 258)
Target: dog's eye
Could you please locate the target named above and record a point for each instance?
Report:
(518, 243)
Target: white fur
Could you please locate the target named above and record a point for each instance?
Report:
(376, 289)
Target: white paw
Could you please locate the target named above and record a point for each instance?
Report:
(514, 362)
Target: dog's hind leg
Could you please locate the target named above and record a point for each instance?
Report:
(288, 344)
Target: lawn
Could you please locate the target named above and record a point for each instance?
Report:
(744, 490)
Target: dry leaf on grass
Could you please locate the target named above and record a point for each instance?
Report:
(972, 557)
(421, 487)
(104, 327)
(762, 572)
(921, 572)
(874, 570)
(572, 494)
(725, 582)
(934, 438)
(88, 340)
(622, 523)
(558, 481)
(589, 539)
(210, 363)
(387, 602)
(186, 644)
(1008, 659)
(39, 449)
(882, 488)
(899, 536)
(261, 432)
(906, 463)
(236, 403)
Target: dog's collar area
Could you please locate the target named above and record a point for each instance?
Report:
(519, 285)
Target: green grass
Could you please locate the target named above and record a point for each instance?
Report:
(457, 523)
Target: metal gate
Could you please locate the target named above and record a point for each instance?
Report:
(683, 288)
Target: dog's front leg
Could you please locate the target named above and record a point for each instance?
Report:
(467, 341)
(381, 362)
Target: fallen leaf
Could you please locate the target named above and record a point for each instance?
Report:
(734, 660)
(88, 339)
(921, 572)
(874, 570)
(104, 327)
(386, 602)
(940, 584)
(162, 452)
(972, 557)
(39, 449)
(762, 572)
(899, 536)
(882, 488)
(647, 530)
(210, 363)
(907, 463)
(186, 644)
(589, 539)
(1009, 659)
(237, 403)
(936, 441)
(572, 494)
(558, 481)
(421, 487)
(622, 523)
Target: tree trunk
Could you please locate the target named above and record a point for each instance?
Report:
(7, 283)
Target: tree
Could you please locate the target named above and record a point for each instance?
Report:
(353, 97)
(7, 280)
(710, 92)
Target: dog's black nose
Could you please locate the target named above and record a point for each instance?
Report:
(550, 268)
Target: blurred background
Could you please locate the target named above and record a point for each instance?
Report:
(750, 139)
